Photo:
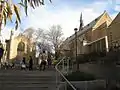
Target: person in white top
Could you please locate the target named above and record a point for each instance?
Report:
(42, 61)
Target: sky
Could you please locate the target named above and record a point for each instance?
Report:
(65, 13)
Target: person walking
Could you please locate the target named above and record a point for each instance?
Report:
(43, 61)
(1, 51)
(39, 60)
(49, 60)
(31, 63)
(23, 64)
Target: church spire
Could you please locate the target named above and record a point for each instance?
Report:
(81, 23)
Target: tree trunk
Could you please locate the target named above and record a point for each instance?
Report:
(1, 9)
(56, 55)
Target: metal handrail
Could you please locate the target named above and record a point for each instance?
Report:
(56, 67)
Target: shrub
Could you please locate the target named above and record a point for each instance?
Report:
(79, 76)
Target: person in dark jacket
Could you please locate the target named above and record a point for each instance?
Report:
(31, 63)
(49, 60)
(1, 51)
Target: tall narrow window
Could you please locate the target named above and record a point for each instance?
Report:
(21, 46)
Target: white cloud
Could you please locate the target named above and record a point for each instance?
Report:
(117, 7)
(68, 18)
(114, 15)
(117, 1)
(6, 32)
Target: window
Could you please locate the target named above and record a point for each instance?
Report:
(21, 46)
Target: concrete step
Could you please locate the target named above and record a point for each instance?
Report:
(28, 88)
(29, 85)
(22, 80)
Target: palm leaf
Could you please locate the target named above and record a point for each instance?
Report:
(4, 17)
(37, 3)
(40, 2)
(21, 4)
(34, 2)
(10, 17)
(21, 1)
(31, 4)
(50, 1)
(17, 13)
(25, 3)
(8, 12)
(16, 25)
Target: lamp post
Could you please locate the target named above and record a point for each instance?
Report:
(75, 29)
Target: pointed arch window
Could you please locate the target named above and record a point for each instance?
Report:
(21, 46)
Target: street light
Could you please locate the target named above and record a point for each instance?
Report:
(75, 29)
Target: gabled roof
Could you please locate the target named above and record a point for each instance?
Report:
(91, 24)
(117, 19)
(88, 26)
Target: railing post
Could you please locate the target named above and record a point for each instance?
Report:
(56, 79)
(67, 65)
(63, 67)
(86, 85)
(68, 82)
(65, 86)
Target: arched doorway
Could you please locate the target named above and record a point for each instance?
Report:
(20, 50)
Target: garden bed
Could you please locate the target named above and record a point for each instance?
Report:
(79, 76)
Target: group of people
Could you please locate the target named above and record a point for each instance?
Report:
(24, 64)
(44, 59)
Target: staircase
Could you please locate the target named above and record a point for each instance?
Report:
(27, 80)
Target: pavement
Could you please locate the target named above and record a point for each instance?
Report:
(27, 80)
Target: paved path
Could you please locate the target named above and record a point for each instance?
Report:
(27, 80)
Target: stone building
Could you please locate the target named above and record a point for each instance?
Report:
(19, 47)
(114, 33)
(92, 38)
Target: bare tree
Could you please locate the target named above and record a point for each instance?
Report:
(54, 36)
(41, 40)
(29, 32)
(35, 34)
(49, 40)
(39, 35)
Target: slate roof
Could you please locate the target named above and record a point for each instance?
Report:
(88, 26)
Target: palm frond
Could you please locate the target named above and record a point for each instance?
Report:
(26, 6)
(17, 13)
(16, 24)
(4, 17)
(8, 8)
(8, 12)
(21, 4)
